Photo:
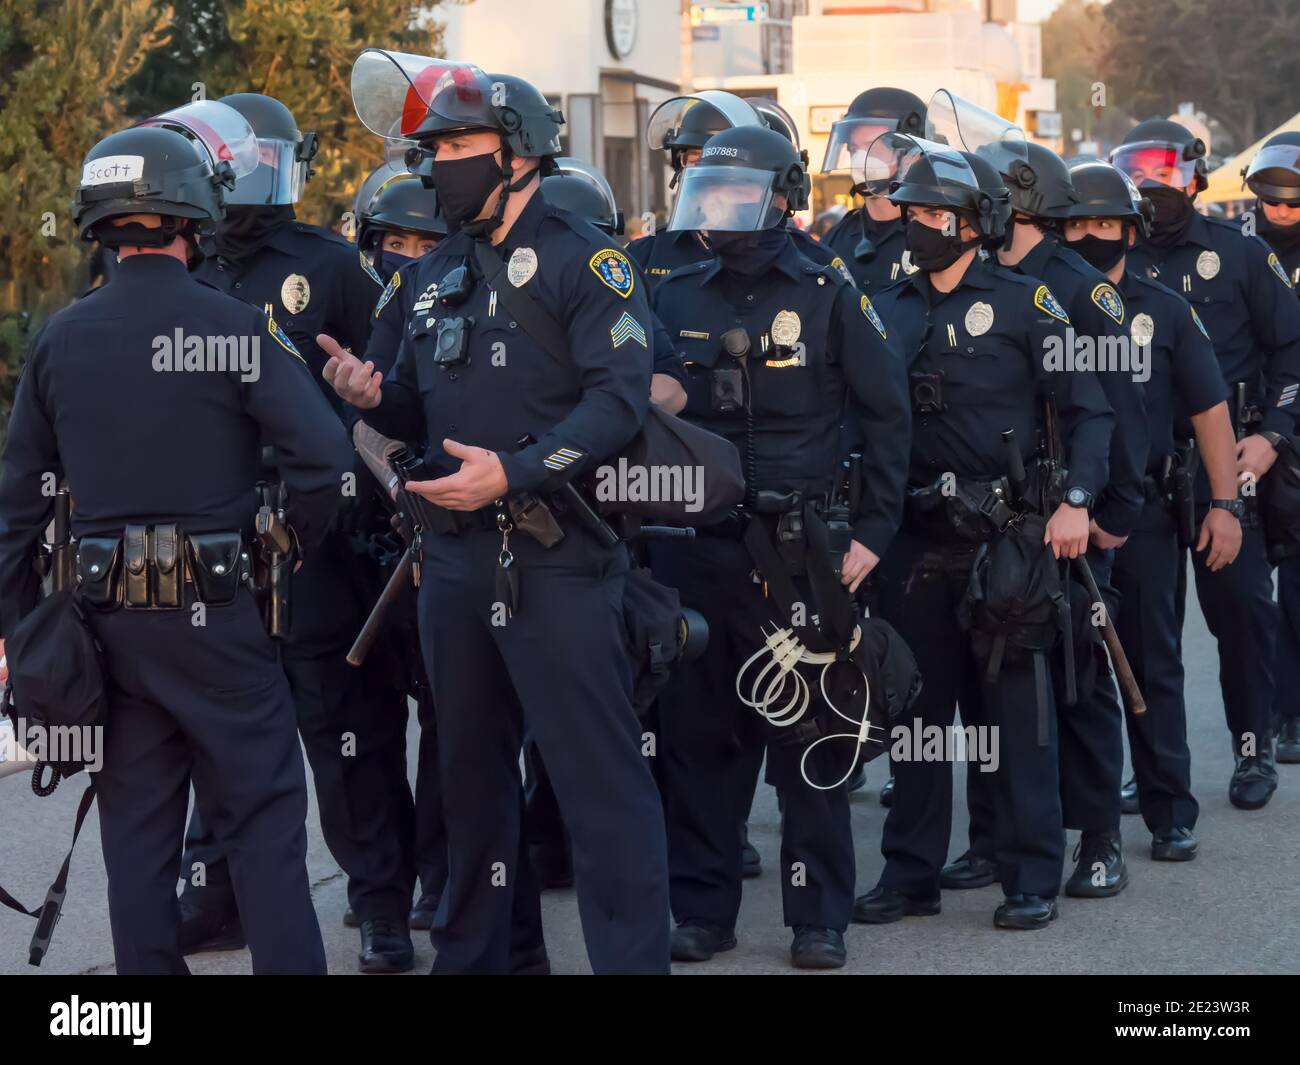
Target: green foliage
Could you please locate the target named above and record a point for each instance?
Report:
(1235, 59)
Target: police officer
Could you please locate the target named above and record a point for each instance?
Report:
(975, 335)
(186, 699)
(775, 346)
(1181, 374)
(1274, 177)
(516, 633)
(1091, 730)
(870, 238)
(1244, 298)
(398, 221)
(680, 127)
(267, 258)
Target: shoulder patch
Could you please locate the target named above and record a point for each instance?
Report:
(394, 283)
(614, 270)
(282, 339)
(1197, 319)
(872, 316)
(1105, 297)
(838, 263)
(1045, 301)
(1276, 267)
(369, 268)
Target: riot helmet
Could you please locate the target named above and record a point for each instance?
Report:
(284, 153)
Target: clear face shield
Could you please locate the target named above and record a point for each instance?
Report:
(222, 132)
(923, 172)
(1274, 174)
(727, 199)
(391, 91)
(850, 140)
(279, 177)
(964, 126)
(1156, 163)
(668, 118)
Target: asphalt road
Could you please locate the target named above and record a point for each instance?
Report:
(1230, 911)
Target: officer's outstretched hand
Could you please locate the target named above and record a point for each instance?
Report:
(356, 381)
(1067, 532)
(858, 563)
(1221, 532)
(477, 483)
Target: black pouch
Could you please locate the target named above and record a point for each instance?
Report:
(135, 567)
(166, 570)
(99, 571)
(217, 567)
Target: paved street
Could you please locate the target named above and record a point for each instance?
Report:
(1231, 910)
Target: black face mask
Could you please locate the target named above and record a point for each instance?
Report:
(1101, 253)
(748, 254)
(465, 184)
(932, 249)
(387, 263)
(1173, 212)
(1282, 239)
(247, 227)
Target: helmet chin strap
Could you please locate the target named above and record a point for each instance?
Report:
(482, 227)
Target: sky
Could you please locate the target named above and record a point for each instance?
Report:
(1036, 10)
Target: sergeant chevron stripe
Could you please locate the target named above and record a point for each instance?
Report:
(627, 328)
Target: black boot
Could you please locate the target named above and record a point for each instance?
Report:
(385, 946)
(817, 948)
(699, 941)
(1288, 741)
(1254, 780)
(969, 871)
(1025, 912)
(209, 920)
(1173, 845)
(751, 863)
(1128, 796)
(1100, 872)
(423, 910)
(887, 793)
(882, 906)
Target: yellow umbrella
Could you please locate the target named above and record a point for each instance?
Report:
(1225, 181)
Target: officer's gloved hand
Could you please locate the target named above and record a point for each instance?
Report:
(356, 381)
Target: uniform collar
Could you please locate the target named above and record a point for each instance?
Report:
(151, 266)
(977, 275)
(789, 262)
(1197, 232)
(1037, 258)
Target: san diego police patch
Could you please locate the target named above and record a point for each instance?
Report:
(283, 340)
(1276, 267)
(1045, 301)
(838, 263)
(613, 268)
(625, 329)
(1197, 319)
(393, 285)
(872, 316)
(368, 268)
(1105, 297)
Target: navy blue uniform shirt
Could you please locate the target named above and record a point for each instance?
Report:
(307, 277)
(987, 337)
(511, 386)
(1096, 313)
(1244, 297)
(140, 441)
(1185, 375)
(837, 351)
(881, 264)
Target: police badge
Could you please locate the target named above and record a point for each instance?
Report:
(1207, 264)
(1105, 297)
(1142, 329)
(786, 328)
(979, 319)
(614, 270)
(295, 293)
(522, 266)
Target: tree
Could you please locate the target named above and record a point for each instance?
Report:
(1233, 58)
(1076, 39)
(65, 63)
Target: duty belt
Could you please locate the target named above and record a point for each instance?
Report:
(967, 507)
(159, 567)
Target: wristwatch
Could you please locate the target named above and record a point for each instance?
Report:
(1235, 507)
(1078, 497)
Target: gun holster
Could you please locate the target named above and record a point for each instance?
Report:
(1179, 486)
